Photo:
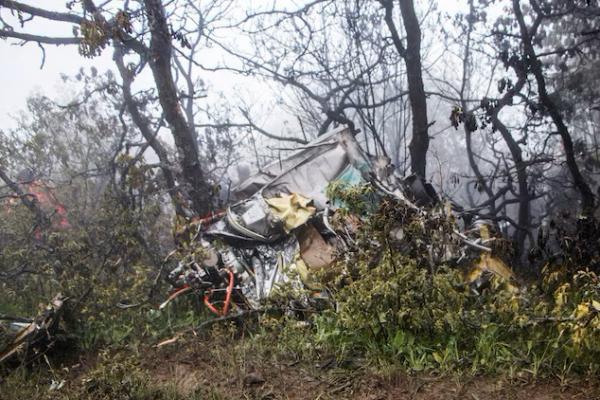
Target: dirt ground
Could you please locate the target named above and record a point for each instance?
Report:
(244, 377)
(227, 369)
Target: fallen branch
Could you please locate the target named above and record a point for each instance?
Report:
(471, 243)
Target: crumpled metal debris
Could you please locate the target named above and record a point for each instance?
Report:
(293, 209)
(487, 267)
(279, 230)
(265, 238)
(34, 337)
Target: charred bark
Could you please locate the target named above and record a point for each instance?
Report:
(160, 62)
(523, 214)
(411, 54)
(523, 197)
(143, 125)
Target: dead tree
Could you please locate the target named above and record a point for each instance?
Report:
(527, 32)
(411, 53)
(98, 29)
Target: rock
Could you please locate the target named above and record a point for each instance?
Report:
(253, 378)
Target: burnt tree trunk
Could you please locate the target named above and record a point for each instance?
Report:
(144, 126)
(523, 197)
(416, 91)
(524, 211)
(160, 55)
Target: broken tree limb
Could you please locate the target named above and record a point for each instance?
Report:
(469, 242)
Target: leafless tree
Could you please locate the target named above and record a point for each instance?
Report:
(142, 29)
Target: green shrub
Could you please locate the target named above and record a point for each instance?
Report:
(398, 308)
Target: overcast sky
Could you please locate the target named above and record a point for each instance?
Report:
(20, 73)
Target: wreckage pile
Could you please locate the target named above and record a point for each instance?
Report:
(30, 338)
(298, 217)
(393, 271)
(401, 272)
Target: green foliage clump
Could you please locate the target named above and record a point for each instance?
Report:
(97, 264)
(355, 199)
(400, 305)
(401, 313)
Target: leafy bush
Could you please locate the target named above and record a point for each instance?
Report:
(400, 313)
(97, 265)
(394, 305)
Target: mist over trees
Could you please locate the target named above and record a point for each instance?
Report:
(494, 102)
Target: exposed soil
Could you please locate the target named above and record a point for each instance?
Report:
(227, 369)
(245, 377)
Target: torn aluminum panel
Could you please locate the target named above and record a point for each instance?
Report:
(301, 180)
(258, 268)
(38, 335)
(309, 170)
(270, 230)
(252, 218)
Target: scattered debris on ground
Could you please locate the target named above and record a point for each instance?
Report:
(30, 339)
